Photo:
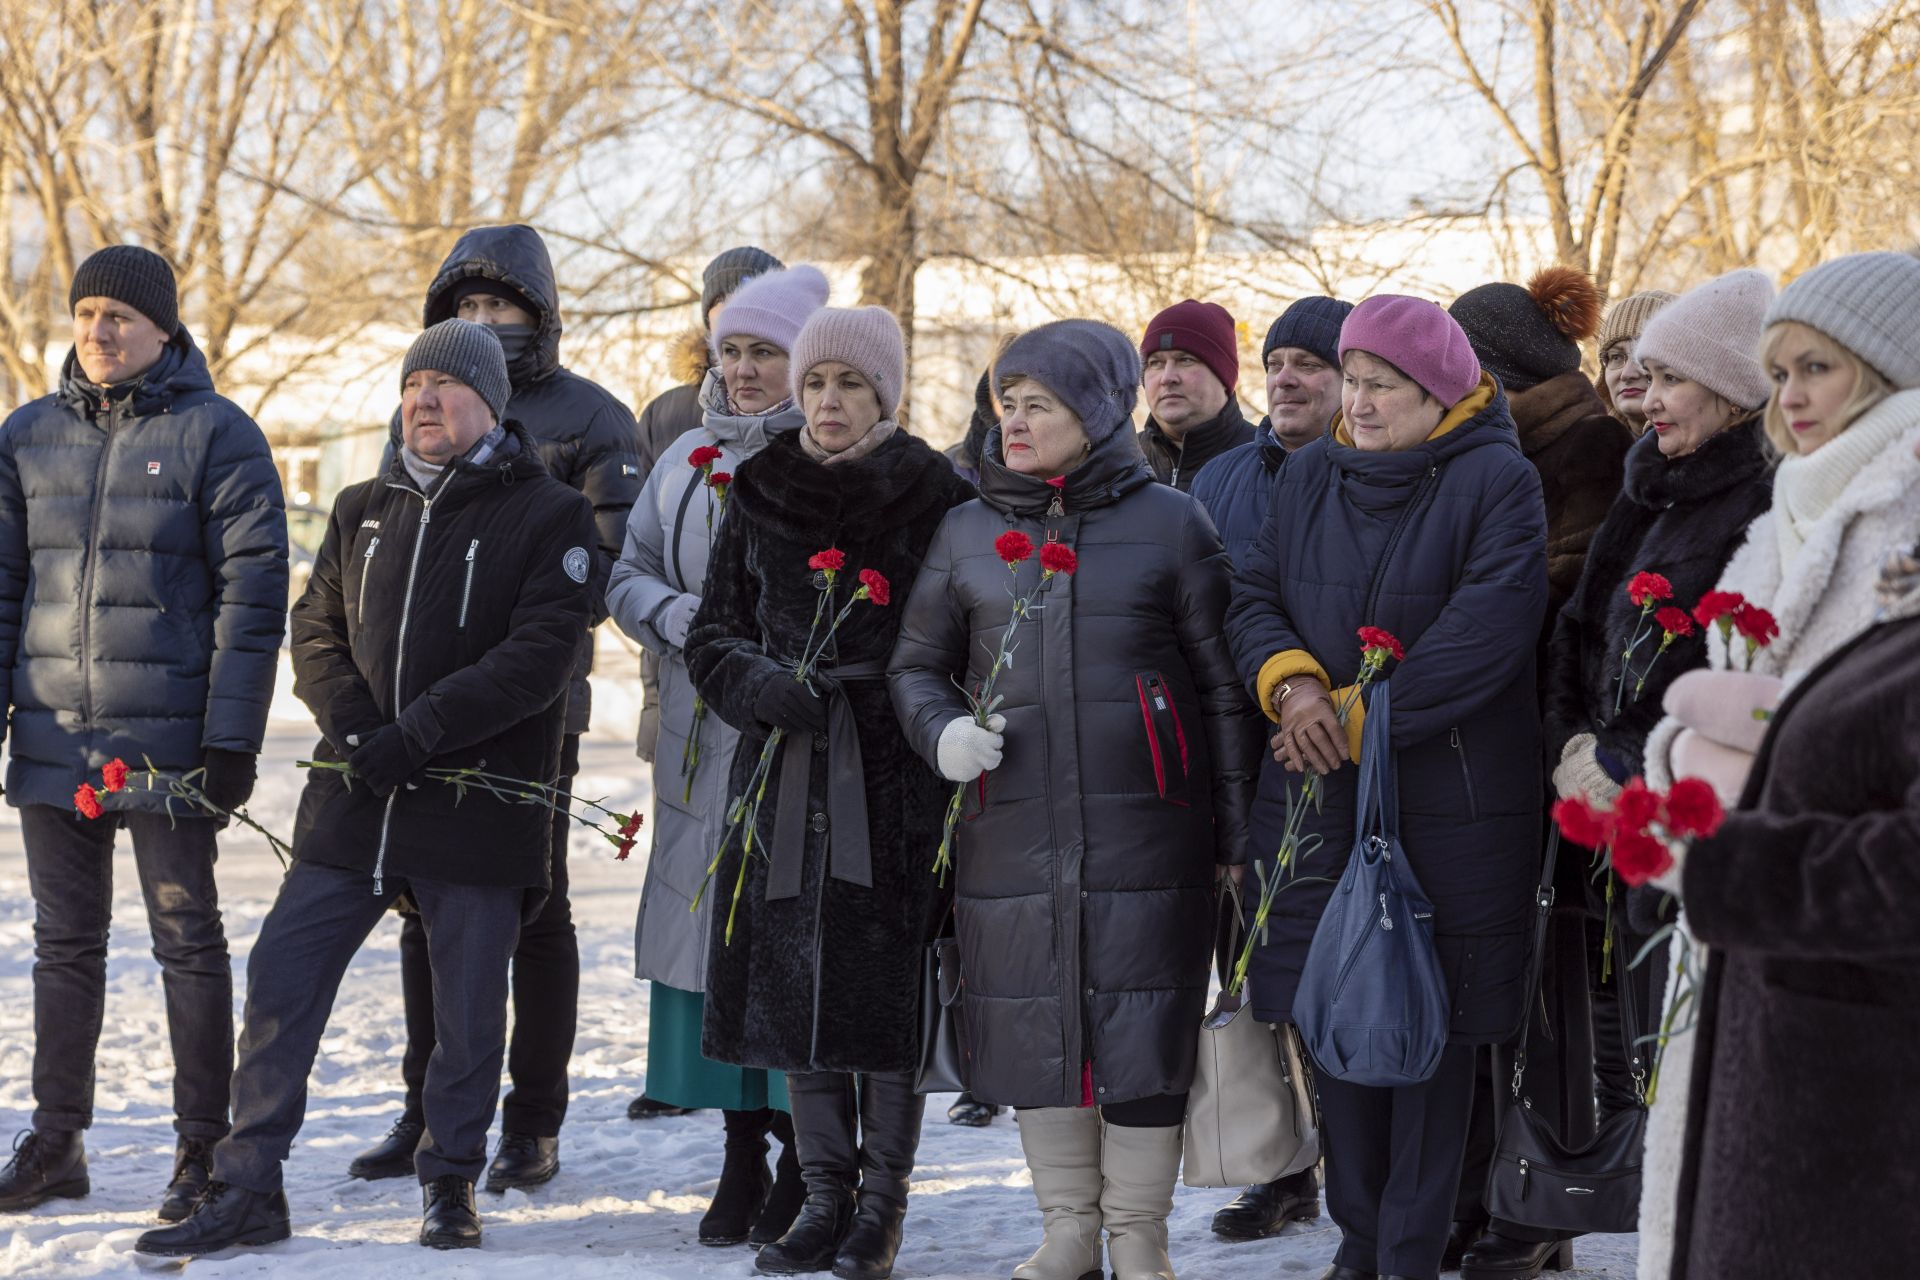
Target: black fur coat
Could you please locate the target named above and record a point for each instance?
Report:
(827, 980)
(1682, 518)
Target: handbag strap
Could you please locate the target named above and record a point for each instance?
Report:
(1230, 930)
(1379, 799)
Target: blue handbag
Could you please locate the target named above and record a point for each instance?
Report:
(1372, 1003)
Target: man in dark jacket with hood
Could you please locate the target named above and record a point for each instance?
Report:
(143, 590)
(436, 633)
(1189, 366)
(1302, 360)
(501, 277)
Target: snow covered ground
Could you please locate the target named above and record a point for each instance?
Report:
(629, 1195)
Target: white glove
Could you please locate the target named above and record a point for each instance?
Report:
(967, 750)
(676, 618)
(1579, 773)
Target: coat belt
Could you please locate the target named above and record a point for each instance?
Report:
(849, 855)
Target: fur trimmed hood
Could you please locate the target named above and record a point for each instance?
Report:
(689, 358)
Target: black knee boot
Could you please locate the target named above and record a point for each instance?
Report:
(789, 1189)
(890, 1114)
(824, 1125)
(744, 1180)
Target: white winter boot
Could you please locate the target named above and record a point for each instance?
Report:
(1139, 1167)
(1063, 1153)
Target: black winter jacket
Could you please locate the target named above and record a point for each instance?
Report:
(143, 579)
(1085, 884)
(675, 411)
(827, 980)
(586, 437)
(1444, 545)
(1683, 518)
(1237, 487)
(458, 617)
(1179, 464)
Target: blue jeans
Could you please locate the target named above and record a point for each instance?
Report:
(319, 920)
(70, 871)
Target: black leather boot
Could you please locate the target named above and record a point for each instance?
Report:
(47, 1164)
(522, 1161)
(744, 1180)
(192, 1170)
(971, 1113)
(450, 1219)
(789, 1188)
(890, 1115)
(223, 1216)
(1266, 1208)
(392, 1156)
(1499, 1257)
(1460, 1238)
(824, 1125)
(645, 1108)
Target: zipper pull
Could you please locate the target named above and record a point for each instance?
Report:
(379, 887)
(1453, 737)
(471, 548)
(1526, 1183)
(372, 545)
(1386, 921)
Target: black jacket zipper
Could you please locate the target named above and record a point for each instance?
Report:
(93, 555)
(1393, 543)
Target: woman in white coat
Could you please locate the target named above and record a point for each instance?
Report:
(1842, 346)
(654, 592)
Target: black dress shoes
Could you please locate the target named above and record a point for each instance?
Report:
(645, 1108)
(192, 1170)
(450, 1219)
(1265, 1209)
(392, 1156)
(1338, 1272)
(47, 1165)
(223, 1216)
(969, 1112)
(522, 1161)
(1497, 1257)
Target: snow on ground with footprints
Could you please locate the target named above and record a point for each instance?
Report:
(629, 1195)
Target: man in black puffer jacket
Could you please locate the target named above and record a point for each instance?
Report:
(1190, 364)
(502, 277)
(143, 592)
(437, 632)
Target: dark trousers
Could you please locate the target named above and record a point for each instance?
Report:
(1393, 1164)
(319, 920)
(1614, 1085)
(70, 873)
(546, 1003)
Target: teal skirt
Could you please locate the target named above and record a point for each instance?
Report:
(677, 1073)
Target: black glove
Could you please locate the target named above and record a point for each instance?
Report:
(383, 761)
(230, 776)
(786, 703)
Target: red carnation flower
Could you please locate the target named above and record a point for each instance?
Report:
(87, 801)
(1380, 638)
(705, 456)
(626, 847)
(879, 590)
(114, 775)
(1057, 557)
(1013, 546)
(1581, 823)
(1648, 586)
(832, 560)
(1756, 624)
(1716, 605)
(720, 479)
(1638, 857)
(1636, 808)
(630, 825)
(1693, 809)
(1674, 621)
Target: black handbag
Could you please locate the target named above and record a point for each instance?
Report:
(1536, 1179)
(943, 1051)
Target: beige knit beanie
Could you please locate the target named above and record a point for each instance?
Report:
(1628, 317)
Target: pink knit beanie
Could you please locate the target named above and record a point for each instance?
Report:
(1418, 338)
(1711, 334)
(867, 338)
(772, 307)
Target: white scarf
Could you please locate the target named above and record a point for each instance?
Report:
(1807, 484)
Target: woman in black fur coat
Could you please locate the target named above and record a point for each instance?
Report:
(821, 976)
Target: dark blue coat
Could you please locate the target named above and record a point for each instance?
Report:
(1444, 545)
(1237, 487)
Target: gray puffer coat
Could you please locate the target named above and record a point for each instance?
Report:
(143, 579)
(669, 536)
(1086, 862)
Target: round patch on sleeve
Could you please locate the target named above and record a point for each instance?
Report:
(575, 563)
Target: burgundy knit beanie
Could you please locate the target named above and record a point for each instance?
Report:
(1204, 330)
(1418, 338)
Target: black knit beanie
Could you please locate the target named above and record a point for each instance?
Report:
(1524, 336)
(138, 277)
(730, 269)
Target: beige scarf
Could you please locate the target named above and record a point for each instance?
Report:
(881, 432)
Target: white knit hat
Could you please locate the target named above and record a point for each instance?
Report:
(1711, 334)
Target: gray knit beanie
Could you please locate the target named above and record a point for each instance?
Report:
(1091, 366)
(1711, 334)
(730, 269)
(138, 277)
(867, 338)
(1869, 303)
(468, 351)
